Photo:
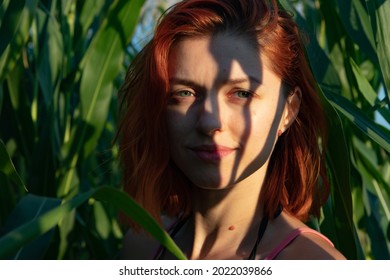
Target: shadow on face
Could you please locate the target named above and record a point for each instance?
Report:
(225, 109)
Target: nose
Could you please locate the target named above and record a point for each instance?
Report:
(209, 117)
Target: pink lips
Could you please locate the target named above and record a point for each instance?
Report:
(211, 152)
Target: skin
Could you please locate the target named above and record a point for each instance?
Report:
(225, 113)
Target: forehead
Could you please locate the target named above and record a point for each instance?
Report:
(220, 52)
(217, 58)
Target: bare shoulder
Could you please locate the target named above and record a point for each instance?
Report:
(309, 246)
(141, 245)
(306, 243)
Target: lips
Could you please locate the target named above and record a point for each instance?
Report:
(212, 153)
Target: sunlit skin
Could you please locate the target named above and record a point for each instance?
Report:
(223, 118)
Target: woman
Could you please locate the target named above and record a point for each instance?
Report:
(219, 135)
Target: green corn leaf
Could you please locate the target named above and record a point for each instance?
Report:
(103, 61)
(86, 13)
(363, 85)
(375, 199)
(1, 99)
(365, 88)
(51, 54)
(368, 163)
(3, 7)
(103, 225)
(338, 223)
(25, 127)
(357, 117)
(356, 22)
(101, 65)
(7, 198)
(22, 235)
(15, 239)
(29, 208)
(8, 168)
(123, 202)
(379, 11)
(14, 32)
(65, 228)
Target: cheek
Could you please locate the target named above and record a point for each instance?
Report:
(253, 124)
(172, 127)
(177, 126)
(256, 131)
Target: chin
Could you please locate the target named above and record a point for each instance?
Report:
(213, 186)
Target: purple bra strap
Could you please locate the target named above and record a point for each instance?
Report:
(291, 237)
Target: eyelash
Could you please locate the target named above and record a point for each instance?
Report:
(178, 93)
(246, 92)
(238, 94)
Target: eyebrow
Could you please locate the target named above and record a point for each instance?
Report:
(181, 81)
(187, 82)
(250, 79)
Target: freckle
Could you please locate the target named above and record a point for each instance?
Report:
(232, 228)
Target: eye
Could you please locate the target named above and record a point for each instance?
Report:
(243, 94)
(183, 94)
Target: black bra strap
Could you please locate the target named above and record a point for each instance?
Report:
(262, 228)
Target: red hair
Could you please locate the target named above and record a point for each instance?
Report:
(296, 163)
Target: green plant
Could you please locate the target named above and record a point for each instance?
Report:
(349, 50)
(61, 63)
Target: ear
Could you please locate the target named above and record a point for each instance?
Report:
(291, 109)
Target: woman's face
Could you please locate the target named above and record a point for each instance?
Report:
(225, 110)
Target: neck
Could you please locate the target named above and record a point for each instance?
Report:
(226, 217)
